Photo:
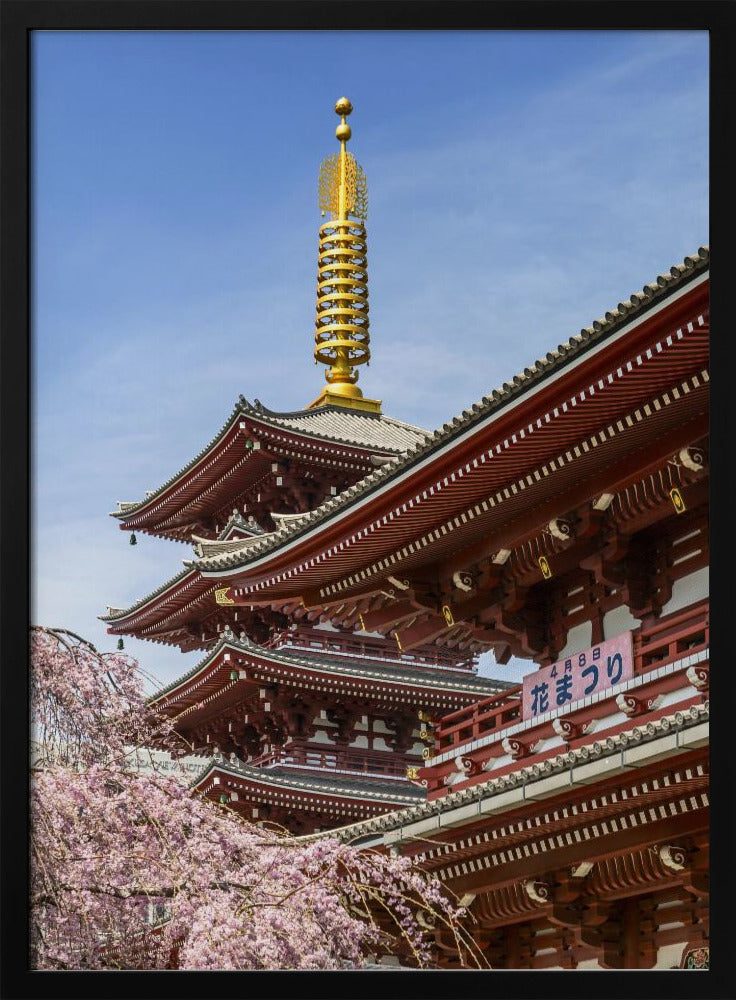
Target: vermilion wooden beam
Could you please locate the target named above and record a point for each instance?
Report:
(610, 479)
(595, 849)
(312, 599)
(421, 633)
(388, 615)
(695, 495)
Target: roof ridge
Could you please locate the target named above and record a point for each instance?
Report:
(239, 520)
(260, 411)
(204, 548)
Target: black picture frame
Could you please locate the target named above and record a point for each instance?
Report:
(18, 18)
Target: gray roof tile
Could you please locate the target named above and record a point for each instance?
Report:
(400, 792)
(206, 547)
(367, 430)
(113, 614)
(434, 678)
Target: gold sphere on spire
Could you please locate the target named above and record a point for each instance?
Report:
(343, 107)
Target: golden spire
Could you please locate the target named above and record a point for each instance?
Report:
(341, 334)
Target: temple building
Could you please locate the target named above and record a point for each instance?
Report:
(310, 719)
(349, 569)
(563, 518)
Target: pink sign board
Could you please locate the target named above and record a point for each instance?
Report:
(603, 666)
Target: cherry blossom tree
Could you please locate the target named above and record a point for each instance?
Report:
(130, 869)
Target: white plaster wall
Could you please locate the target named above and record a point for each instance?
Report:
(690, 589)
(321, 737)
(617, 621)
(578, 638)
(669, 956)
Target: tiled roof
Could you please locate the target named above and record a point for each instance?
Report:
(367, 430)
(527, 774)
(374, 431)
(114, 613)
(429, 677)
(237, 522)
(205, 547)
(319, 782)
(635, 306)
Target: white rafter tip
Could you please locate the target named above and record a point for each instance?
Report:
(604, 501)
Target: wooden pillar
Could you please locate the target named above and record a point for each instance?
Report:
(630, 934)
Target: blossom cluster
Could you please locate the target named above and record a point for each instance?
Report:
(130, 869)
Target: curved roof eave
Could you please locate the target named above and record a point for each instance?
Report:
(121, 614)
(127, 509)
(308, 785)
(390, 673)
(277, 421)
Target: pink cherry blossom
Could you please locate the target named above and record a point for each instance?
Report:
(130, 869)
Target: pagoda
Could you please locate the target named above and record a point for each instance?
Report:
(311, 718)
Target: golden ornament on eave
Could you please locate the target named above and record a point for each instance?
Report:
(341, 334)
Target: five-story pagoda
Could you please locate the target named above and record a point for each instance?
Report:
(311, 718)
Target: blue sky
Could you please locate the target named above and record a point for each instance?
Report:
(520, 184)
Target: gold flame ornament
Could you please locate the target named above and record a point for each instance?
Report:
(341, 334)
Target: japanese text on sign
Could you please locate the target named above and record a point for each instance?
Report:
(603, 666)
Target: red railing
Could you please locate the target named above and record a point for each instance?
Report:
(380, 765)
(655, 645)
(478, 720)
(672, 637)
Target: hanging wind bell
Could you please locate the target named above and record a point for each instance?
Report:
(133, 540)
(121, 644)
